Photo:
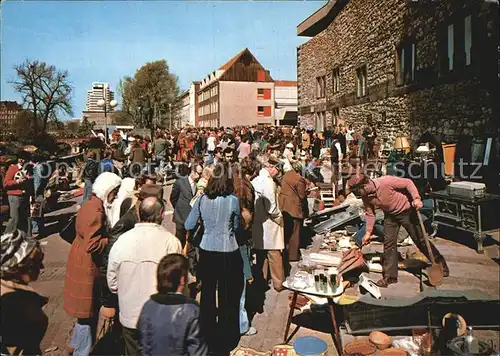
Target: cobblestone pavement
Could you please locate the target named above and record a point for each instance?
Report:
(271, 321)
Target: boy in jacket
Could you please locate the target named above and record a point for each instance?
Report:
(169, 323)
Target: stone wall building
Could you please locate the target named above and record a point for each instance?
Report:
(408, 66)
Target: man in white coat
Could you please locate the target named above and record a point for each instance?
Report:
(132, 264)
(267, 228)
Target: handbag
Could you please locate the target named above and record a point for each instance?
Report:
(109, 340)
(68, 232)
(196, 235)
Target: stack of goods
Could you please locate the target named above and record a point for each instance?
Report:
(377, 343)
(337, 241)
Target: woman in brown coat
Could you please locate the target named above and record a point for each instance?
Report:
(82, 285)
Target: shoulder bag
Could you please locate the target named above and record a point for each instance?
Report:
(68, 232)
(196, 235)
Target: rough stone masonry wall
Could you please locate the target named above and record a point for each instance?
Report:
(367, 32)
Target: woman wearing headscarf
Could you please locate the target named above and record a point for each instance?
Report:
(83, 281)
(124, 197)
(23, 321)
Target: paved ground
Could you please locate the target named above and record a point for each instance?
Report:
(468, 270)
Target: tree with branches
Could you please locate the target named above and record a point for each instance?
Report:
(147, 95)
(45, 91)
(85, 127)
(122, 118)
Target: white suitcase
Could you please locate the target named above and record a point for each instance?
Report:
(466, 189)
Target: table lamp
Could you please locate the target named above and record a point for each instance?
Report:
(401, 144)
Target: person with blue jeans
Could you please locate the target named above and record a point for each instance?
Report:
(245, 192)
(39, 182)
(89, 175)
(245, 328)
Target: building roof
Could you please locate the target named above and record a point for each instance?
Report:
(12, 105)
(285, 83)
(217, 74)
(320, 20)
(233, 60)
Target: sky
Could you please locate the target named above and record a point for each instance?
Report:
(107, 40)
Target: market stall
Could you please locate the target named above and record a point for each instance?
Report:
(330, 276)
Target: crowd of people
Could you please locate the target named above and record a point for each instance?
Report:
(239, 194)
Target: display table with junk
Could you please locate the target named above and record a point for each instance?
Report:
(478, 216)
(325, 291)
(334, 291)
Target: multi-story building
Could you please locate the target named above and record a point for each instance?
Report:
(93, 112)
(99, 91)
(8, 114)
(240, 92)
(188, 100)
(285, 102)
(405, 66)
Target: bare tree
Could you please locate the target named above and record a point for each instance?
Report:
(45, 91)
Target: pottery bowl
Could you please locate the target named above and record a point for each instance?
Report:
(380, 340)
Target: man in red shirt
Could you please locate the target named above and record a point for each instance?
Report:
(399, 199)
(17, 186)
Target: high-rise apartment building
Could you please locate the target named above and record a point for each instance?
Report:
(99, 91)
(93, 112)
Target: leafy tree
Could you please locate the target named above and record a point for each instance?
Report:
(146, 96)
(45, 91)
(122, 118)
(85, 127)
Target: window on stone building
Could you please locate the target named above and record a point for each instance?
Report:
(450, 46)
(406, 62)
(468, 39)
(361, 81)
(336, 80)
(319, 121)
(335, 116)
(455, 41)
(320, 87)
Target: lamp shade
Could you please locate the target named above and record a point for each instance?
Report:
(423, 148)
(401, 143)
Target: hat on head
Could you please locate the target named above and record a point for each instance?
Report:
(16, 247)
(289, 145)
(150, 190)
(119, 156)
